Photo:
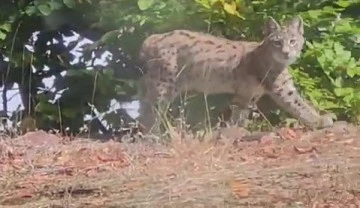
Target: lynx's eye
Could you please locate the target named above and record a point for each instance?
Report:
(277, 43)
(292, 42)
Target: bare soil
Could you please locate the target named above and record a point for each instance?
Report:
(284, 168)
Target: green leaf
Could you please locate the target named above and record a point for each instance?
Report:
(51, 117)
(343, 27)
(30, 10)
(70, 3)
(338, 82)
(346, 91)
(205, 3)
(45, 9)
(46, 107)
(143, 21)
(309, 45)
(339, 49)
(55, 5)
(145, 4)
(353, 71)
(314, 14)
(6, 27)
(109, 37)
(343, 3)
(322, 61)
(2, 35)
(230, 8)
(329, 54)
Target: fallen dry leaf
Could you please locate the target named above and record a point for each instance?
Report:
(348, 141)
(269, 152)
(76, 191)
(267, 140)
(288, 134)
(240, 188)
(18, 197)
(303, 150)
(6, 151)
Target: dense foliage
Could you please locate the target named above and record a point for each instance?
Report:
(34, 46)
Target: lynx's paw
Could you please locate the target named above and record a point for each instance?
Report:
(326, 120)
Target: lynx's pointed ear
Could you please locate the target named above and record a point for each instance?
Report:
(270, 26)
(297, 24)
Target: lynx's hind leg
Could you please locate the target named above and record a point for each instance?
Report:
(159, 91)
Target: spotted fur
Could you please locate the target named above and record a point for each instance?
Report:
(183, 60)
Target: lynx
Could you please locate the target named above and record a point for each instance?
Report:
(182, 60)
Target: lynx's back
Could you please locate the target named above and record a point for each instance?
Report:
(194, 47)
(196, 60)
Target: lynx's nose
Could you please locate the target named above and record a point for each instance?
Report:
(287, 55)
(286, 52)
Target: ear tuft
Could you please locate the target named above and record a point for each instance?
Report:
(297, 24)
(270, 26)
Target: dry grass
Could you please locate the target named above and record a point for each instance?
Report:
(299, 169)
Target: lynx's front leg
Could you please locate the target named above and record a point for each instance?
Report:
(284, 93)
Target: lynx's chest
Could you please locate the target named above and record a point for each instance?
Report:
(249, 90)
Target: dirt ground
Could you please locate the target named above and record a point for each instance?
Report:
(285, 168)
